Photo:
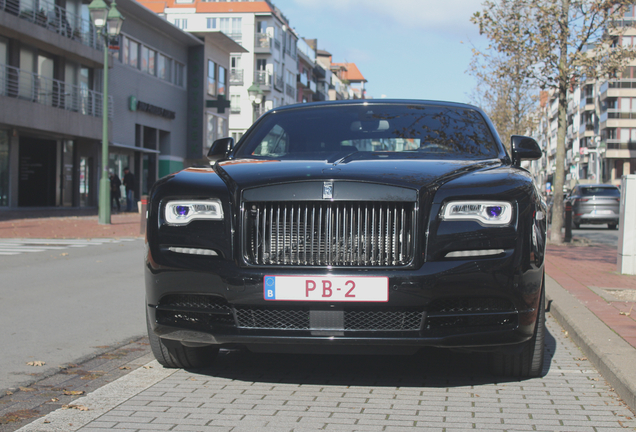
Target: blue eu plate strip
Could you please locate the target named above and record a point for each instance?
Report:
(270, 288)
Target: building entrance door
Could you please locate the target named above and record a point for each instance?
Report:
(36, 185)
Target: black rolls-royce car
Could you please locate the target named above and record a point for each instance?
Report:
(352, 226)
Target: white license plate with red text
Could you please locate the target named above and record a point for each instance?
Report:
(327, 288)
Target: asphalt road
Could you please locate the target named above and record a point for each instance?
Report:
(67, 305)
(597, 234)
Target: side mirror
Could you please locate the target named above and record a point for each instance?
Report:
(524, 148)
(220, 148)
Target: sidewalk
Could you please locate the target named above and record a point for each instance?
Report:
(595, 304)
(70, 227)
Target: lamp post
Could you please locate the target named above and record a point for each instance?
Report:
(256, 97)
(107, 21)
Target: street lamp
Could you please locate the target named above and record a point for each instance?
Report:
(107, 21)
(256, 96)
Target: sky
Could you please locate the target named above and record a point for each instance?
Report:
(415, 49)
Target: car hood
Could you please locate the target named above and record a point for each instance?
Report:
(416, 174)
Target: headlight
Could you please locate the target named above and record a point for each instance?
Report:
(485, 212)
(183, 212)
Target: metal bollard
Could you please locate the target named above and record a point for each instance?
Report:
(144, 206)
(568, 222)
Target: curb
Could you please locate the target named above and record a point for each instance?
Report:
(614, 358)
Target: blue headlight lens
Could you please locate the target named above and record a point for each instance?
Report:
(494, 211)
(182, 210)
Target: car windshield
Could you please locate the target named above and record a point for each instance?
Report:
(601, 191)
(374, 130)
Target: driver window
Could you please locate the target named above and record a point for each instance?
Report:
(275, 143)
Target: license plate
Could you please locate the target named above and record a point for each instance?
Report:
(326, 289)
(603, 212)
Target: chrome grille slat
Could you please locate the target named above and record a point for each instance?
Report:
(341, 234)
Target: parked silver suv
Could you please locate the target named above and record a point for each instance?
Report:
(595, 204)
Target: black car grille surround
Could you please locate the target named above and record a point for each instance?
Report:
(332, 233)
(193, 311)
(448, 315)
(441, 317)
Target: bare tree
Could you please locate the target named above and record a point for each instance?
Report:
(563, 41)
(509, 100)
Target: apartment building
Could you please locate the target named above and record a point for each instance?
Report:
(51, 65)
(284, 67)
(270, 63)
(601, 128)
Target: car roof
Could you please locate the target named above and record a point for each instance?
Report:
(372, 102)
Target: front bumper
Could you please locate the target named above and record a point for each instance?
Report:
(476, 304)
(594, 218)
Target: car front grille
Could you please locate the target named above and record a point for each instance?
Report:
(344, 234)
(353, 320)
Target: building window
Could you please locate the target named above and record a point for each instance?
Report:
(144, 59)
(131, 53)
(231, 26)
(182, 23)
(179, 72)
(237, 136)
(211, 23)
(164, 67)
(222, 81)
(235, 104)
(211, 78)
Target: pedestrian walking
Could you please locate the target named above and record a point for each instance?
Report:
(115, 191)
(129, 183)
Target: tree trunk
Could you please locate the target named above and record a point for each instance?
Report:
(559, 170)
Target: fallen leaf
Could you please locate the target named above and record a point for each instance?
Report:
(9, 393)
(124, 367)
(26, 389)
(47, 421)
(73, 392)
(147, 367)
(55, 400)
(64, 254)
(36, 363)
(77, 407)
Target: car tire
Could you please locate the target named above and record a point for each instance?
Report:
(172, 354)
(529, 362)
(612, 226)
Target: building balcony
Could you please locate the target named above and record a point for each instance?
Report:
(236, 76)
(54, 18)
(587, 103)
(620, 150)
(262, 43)
(291, 54)
(279, 84)
(319, 96)
(303, 81)
(263, 79)
(586, 130)
(618, 88)
(27, 86)
(290, 91)
(613, 118)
